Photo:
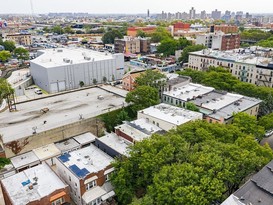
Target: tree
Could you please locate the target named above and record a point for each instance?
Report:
(141, 34)
(192, 107)
(160, 34)
(5, 89)
(168, 47)
(21, 54)
(68, 30)
(46, 29)
(266, 122)
(109, 37)
(122, 116)
(95, 81)
(4, 56)
(81, 83)
(142, 97)
(151, 78)
(3, 162)
(8, 45)
(185, 54)
(104, 79)
(57, 29)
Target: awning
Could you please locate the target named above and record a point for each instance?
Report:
(109, 171)
(90, 179)
(57, 196)
(93, 194)
(108, 195)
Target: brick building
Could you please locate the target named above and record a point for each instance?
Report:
(132, 31)
(132, 45)
(35, 186)
(19, 38)
(224, 28)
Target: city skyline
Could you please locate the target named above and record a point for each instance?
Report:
(122, 6)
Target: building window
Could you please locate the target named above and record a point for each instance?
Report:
(157, 124)
(90, 185)
(107, 177)
(69, 178)
(58, 201)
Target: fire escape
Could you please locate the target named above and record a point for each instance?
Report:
(264, 79)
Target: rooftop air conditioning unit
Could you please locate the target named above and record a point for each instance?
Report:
(60, 50)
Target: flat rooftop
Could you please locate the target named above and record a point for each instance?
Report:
(189, 91)
(63, 110)
(67, 145)
(47, 151)
(239, 105)
(85, 138)
(253, 55)
(171, 114)
(86, 161)
(138, 129)
(24, 159)
(17, 186)
(67, 56)
(116, 143)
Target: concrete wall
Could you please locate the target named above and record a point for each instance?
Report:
(110, 151)
(72, 74)
(55, 135)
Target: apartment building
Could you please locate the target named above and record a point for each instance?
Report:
(253, 65)
(167, 116)
(216, 106)
(132, 45)
(35, 186)
(129, 79)
(87, 172)
(19, 38)
(219, 40)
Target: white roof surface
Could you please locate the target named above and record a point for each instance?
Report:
(116, 143)
(93, 194)
(47, 183)
(171, 114)
(232, 200)
(63, 109)
(53, 57)
(85, 138)
(89, 158)
(188, 91)
(24, 159)
(138, 129)
(67, 145)
(47, 152)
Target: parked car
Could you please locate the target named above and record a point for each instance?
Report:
(38, 91)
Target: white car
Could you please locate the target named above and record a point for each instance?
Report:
(38, 91)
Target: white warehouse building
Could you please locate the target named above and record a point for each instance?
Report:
(56, 70)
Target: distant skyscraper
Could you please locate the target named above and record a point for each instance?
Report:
(148, 13)
(203, 14)
(192, 13)
(216, 15)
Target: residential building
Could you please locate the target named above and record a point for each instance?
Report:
(203, 15)
(127, 45)
(87, 171)
(113, 145)
(137, 130)
(47, 153)
(257, 190)
(19, 38)
(253, 65)
(145, 45)
(219, 40)
(132, 31)
(128, 80)
(85, 139)
(224, 28)
(56, 70)
(37, 185)
(168, 117)
(216, 106)
(67, 145)
(25, 161)
(192, 13)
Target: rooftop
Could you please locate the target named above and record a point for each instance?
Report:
(253, 55)
(189, 91)
(24, 159)
(67, 145)
(138, 129)
(171, 114)
(17, 186)
(116, 143)
(86, 160)
(47, 152)
(85, 138)
(63, 110)
(66, 56)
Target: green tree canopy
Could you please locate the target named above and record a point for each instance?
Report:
(141, 33)
(5, 89)
(160, 34)
(4, 56)
(185, 54)
(142, 97)
(8, 45)
(57, 29)
(151, 78)
(266, 121)
(68, 30)
(192, 106)
(199, 163)
(109, 36)
(21, 53)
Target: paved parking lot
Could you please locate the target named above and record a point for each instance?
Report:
(63, 109)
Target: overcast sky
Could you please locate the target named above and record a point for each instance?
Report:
(138, 6)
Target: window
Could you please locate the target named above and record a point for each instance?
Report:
(107, 177)
(69, 178)
(157, 124)
(58, 201)
(90, 185)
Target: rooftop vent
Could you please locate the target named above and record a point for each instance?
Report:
(60, 50)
